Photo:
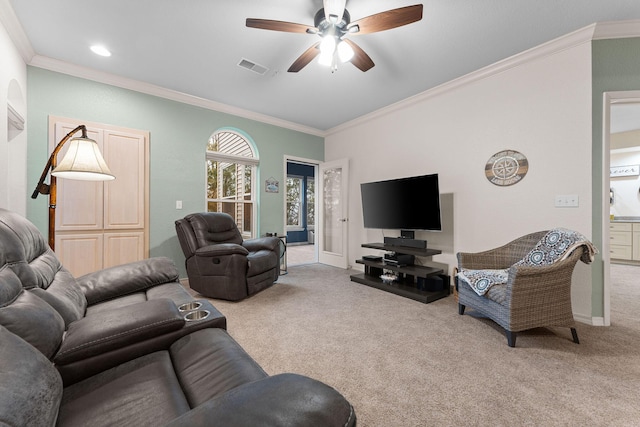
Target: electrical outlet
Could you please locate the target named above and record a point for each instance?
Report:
(178, 204)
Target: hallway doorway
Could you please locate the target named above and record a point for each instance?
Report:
(300, 211)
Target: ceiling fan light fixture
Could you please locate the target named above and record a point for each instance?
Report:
(325, 59)
(345, 51)
(328, 45)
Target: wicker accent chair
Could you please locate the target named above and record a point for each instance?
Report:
(533, 297)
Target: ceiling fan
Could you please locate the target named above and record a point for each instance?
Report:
(333, 23)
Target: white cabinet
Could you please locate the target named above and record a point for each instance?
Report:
(102, 224)
(635, 238)
(624, 241)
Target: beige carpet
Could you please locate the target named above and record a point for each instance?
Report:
(404, 363)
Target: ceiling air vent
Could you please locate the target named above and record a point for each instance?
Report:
(252, 66)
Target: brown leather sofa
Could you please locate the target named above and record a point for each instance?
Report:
(115, 348)
(219, 263)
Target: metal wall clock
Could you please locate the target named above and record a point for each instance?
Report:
(507, 167)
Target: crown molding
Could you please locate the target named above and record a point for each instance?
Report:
(617, 29)
(597, 31)
(576, 38)
(149, 89)
(23, 45)
(16, 32)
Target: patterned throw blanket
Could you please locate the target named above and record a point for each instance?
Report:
(556, 245)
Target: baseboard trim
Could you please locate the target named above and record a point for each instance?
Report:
(589, 320)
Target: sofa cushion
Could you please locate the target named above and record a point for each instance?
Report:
(28, 316)
(65, 295)
(261, 261)
(30, 387)
(107, 306)
(281, 400)
(172, 290)
(127, 279)
(144, 391)
(159, 387)
(23, 247)
(209, 362)
(214, 228)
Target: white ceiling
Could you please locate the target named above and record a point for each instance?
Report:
(194, 46)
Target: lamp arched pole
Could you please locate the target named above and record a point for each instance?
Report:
(51, 188)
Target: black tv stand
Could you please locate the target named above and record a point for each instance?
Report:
(409, 275)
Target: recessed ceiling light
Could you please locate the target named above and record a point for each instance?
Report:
(100, 50)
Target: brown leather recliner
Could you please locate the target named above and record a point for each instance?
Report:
(219, 263)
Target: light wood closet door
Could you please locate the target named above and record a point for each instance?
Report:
(102, 224)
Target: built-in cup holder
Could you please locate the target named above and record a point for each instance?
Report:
(190, 306)
(196, 315)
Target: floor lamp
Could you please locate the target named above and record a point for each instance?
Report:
(83, 161)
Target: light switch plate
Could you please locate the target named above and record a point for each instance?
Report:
(567, 201)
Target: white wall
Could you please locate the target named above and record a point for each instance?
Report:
(539, 106)
(13, 145)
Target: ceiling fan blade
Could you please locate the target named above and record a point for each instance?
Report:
(387, 20)
(288, 27)
(306, 57)
(360, 58)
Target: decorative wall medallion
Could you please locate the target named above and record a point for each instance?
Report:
(507, 167)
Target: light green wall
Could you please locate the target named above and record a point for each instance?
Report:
(179, 134)
(616, 67)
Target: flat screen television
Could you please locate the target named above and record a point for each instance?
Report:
(411, 203)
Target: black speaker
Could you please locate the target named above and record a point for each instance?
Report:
(407, 243)
(431, 283)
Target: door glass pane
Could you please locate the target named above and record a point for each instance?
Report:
(294, 201)
(311, 202)
(332, 180)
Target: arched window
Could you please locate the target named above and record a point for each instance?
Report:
(231, 182)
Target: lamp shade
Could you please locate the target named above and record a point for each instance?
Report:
(83, 161)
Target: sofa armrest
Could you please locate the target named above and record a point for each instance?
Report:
(118, 328)
(126, 279)
(221, 249)
(285, 399)
(268, 243)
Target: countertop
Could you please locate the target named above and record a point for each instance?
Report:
(626, 219)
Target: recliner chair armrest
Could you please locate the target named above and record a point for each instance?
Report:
(268, 243)
(126, 279)
(118, 328)
(221, 249)
(285, 399)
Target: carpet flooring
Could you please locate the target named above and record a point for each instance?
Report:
(404, 363)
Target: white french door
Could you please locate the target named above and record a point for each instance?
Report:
(333, 220)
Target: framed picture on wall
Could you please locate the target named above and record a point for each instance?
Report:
(271, 185)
